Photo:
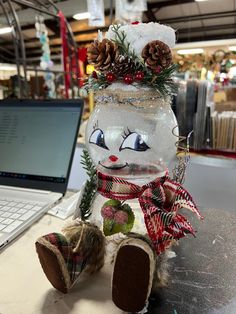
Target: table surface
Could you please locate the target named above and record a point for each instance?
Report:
(202, 275)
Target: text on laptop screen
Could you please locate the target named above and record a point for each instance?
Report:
(36, 142)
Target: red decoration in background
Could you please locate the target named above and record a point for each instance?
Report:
(135, 23)
(65, 51)
(82, 54)
(82, 57)
(94, 75)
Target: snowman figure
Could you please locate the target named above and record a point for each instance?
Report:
(130, 140)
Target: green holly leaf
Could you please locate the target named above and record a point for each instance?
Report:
(113, 203)
(108, 226)
(126, 208)
(126, 227)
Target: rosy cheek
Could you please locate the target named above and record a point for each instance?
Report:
(113, 158)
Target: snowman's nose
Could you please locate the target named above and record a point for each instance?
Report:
(113, 158)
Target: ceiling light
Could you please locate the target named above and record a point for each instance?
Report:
(232, 48)
(7, 67)
(190, 51)
(81, 16)
(5, 30)
(200, 0)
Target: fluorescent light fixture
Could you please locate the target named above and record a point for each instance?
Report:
(200, 0)
(190, 51)
(232, 48)
(5, 30)
(7, 67)
(81, 16)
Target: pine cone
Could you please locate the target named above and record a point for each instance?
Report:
(157, 54)
(123, 65)
(102, 54)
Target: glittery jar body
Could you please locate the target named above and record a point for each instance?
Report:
(130, 134)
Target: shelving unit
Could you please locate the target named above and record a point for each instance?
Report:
(46, 7)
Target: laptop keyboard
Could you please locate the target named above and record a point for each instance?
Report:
(13, 213)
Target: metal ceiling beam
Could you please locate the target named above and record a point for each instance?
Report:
(209, 28)
(158, 5)
(185, 31)
(5, 58)
(28, 4)
(161, 4)
(150, 14)
(8, 52)
(180, 31)
(191, 18)
(206, 38)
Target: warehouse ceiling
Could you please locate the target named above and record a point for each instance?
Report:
(192, 20)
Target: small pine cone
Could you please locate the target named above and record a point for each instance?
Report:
(123, 65)
(102, 54)
(157, 54)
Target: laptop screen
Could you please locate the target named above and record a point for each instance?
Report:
(37, 142)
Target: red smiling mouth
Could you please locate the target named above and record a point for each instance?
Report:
(114, 167)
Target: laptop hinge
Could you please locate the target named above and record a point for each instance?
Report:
(14, 188)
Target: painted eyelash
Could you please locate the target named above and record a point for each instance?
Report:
(95, 126)
(126, 133)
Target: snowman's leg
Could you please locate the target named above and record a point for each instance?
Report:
(133, 275)
(53, 252)
(64, 257)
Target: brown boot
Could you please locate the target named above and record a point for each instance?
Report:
(133, 275)
(64, 257)
(54, 255)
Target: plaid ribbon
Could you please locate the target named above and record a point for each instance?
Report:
(160, 201)
(74, 261)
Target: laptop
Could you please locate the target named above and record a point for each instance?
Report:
(37, 144)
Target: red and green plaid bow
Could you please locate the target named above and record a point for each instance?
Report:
(160, 201)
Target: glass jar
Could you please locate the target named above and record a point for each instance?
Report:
(130, 133)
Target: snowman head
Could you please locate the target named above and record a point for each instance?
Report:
(129, 134)
(129, 141)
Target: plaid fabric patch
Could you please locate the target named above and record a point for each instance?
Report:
(160, 201)
(74, 261)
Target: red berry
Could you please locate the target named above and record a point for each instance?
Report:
(128, 79)
(110, 77)
(139, 76)
(108, 212)
(121, 217)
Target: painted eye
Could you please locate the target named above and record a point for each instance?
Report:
(134, 141)
(97, 138)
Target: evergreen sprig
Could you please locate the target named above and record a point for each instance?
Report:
(163, 81)
(96, 83)
(90, 188)
(124, 46)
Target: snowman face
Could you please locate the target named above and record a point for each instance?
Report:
(130, 142)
